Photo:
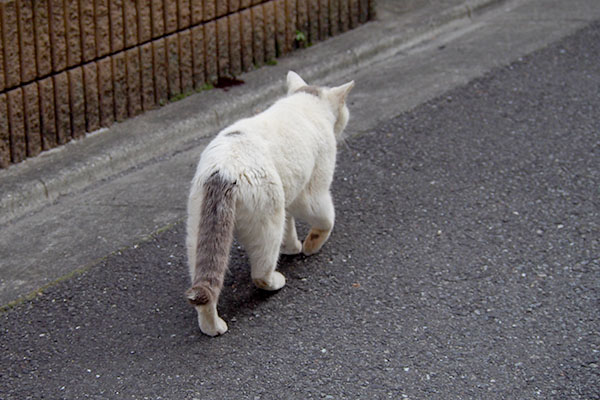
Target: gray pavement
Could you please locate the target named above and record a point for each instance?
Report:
(67, 202)
(464, 262)
(123, 184)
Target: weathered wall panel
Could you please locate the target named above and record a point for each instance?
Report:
(92, 110)
(48, 115)
(31, 105)
(62, 107)
(4, 133)
(68, 67)
(10, 38)
(198, 56)
(77, 102)
(27, 41)
(16, 118)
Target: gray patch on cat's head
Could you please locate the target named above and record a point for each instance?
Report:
(313, 90)
(234, 133)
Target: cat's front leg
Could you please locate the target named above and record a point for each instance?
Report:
(315, 239)
(290, 245)
(320, 215)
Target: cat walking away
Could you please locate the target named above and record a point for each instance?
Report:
(253, 180)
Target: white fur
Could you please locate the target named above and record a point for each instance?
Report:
(283, 163)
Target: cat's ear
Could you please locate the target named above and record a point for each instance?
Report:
(294, 82)
(340, 93)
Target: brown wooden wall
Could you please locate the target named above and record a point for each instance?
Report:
(68, 67)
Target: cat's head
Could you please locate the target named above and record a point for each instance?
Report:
(335, 97)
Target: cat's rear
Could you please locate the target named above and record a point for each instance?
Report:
(253, 179)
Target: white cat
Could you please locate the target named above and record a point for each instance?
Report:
(253, 179)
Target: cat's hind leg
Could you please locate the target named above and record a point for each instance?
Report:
(290, 245)
(209, 321)
(262, 236)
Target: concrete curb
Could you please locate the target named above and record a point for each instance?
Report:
(37, 182)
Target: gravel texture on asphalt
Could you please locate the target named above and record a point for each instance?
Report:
(464, 264)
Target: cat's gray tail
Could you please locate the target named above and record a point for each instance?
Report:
(215, 235)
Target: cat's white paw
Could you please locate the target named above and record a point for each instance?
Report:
(275, 282)
(290, 250)
(212, 327)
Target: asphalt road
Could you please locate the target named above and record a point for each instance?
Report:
(464, 264)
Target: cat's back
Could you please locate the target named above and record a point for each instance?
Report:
(286, 140)
(298, 121)
(295, 121)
